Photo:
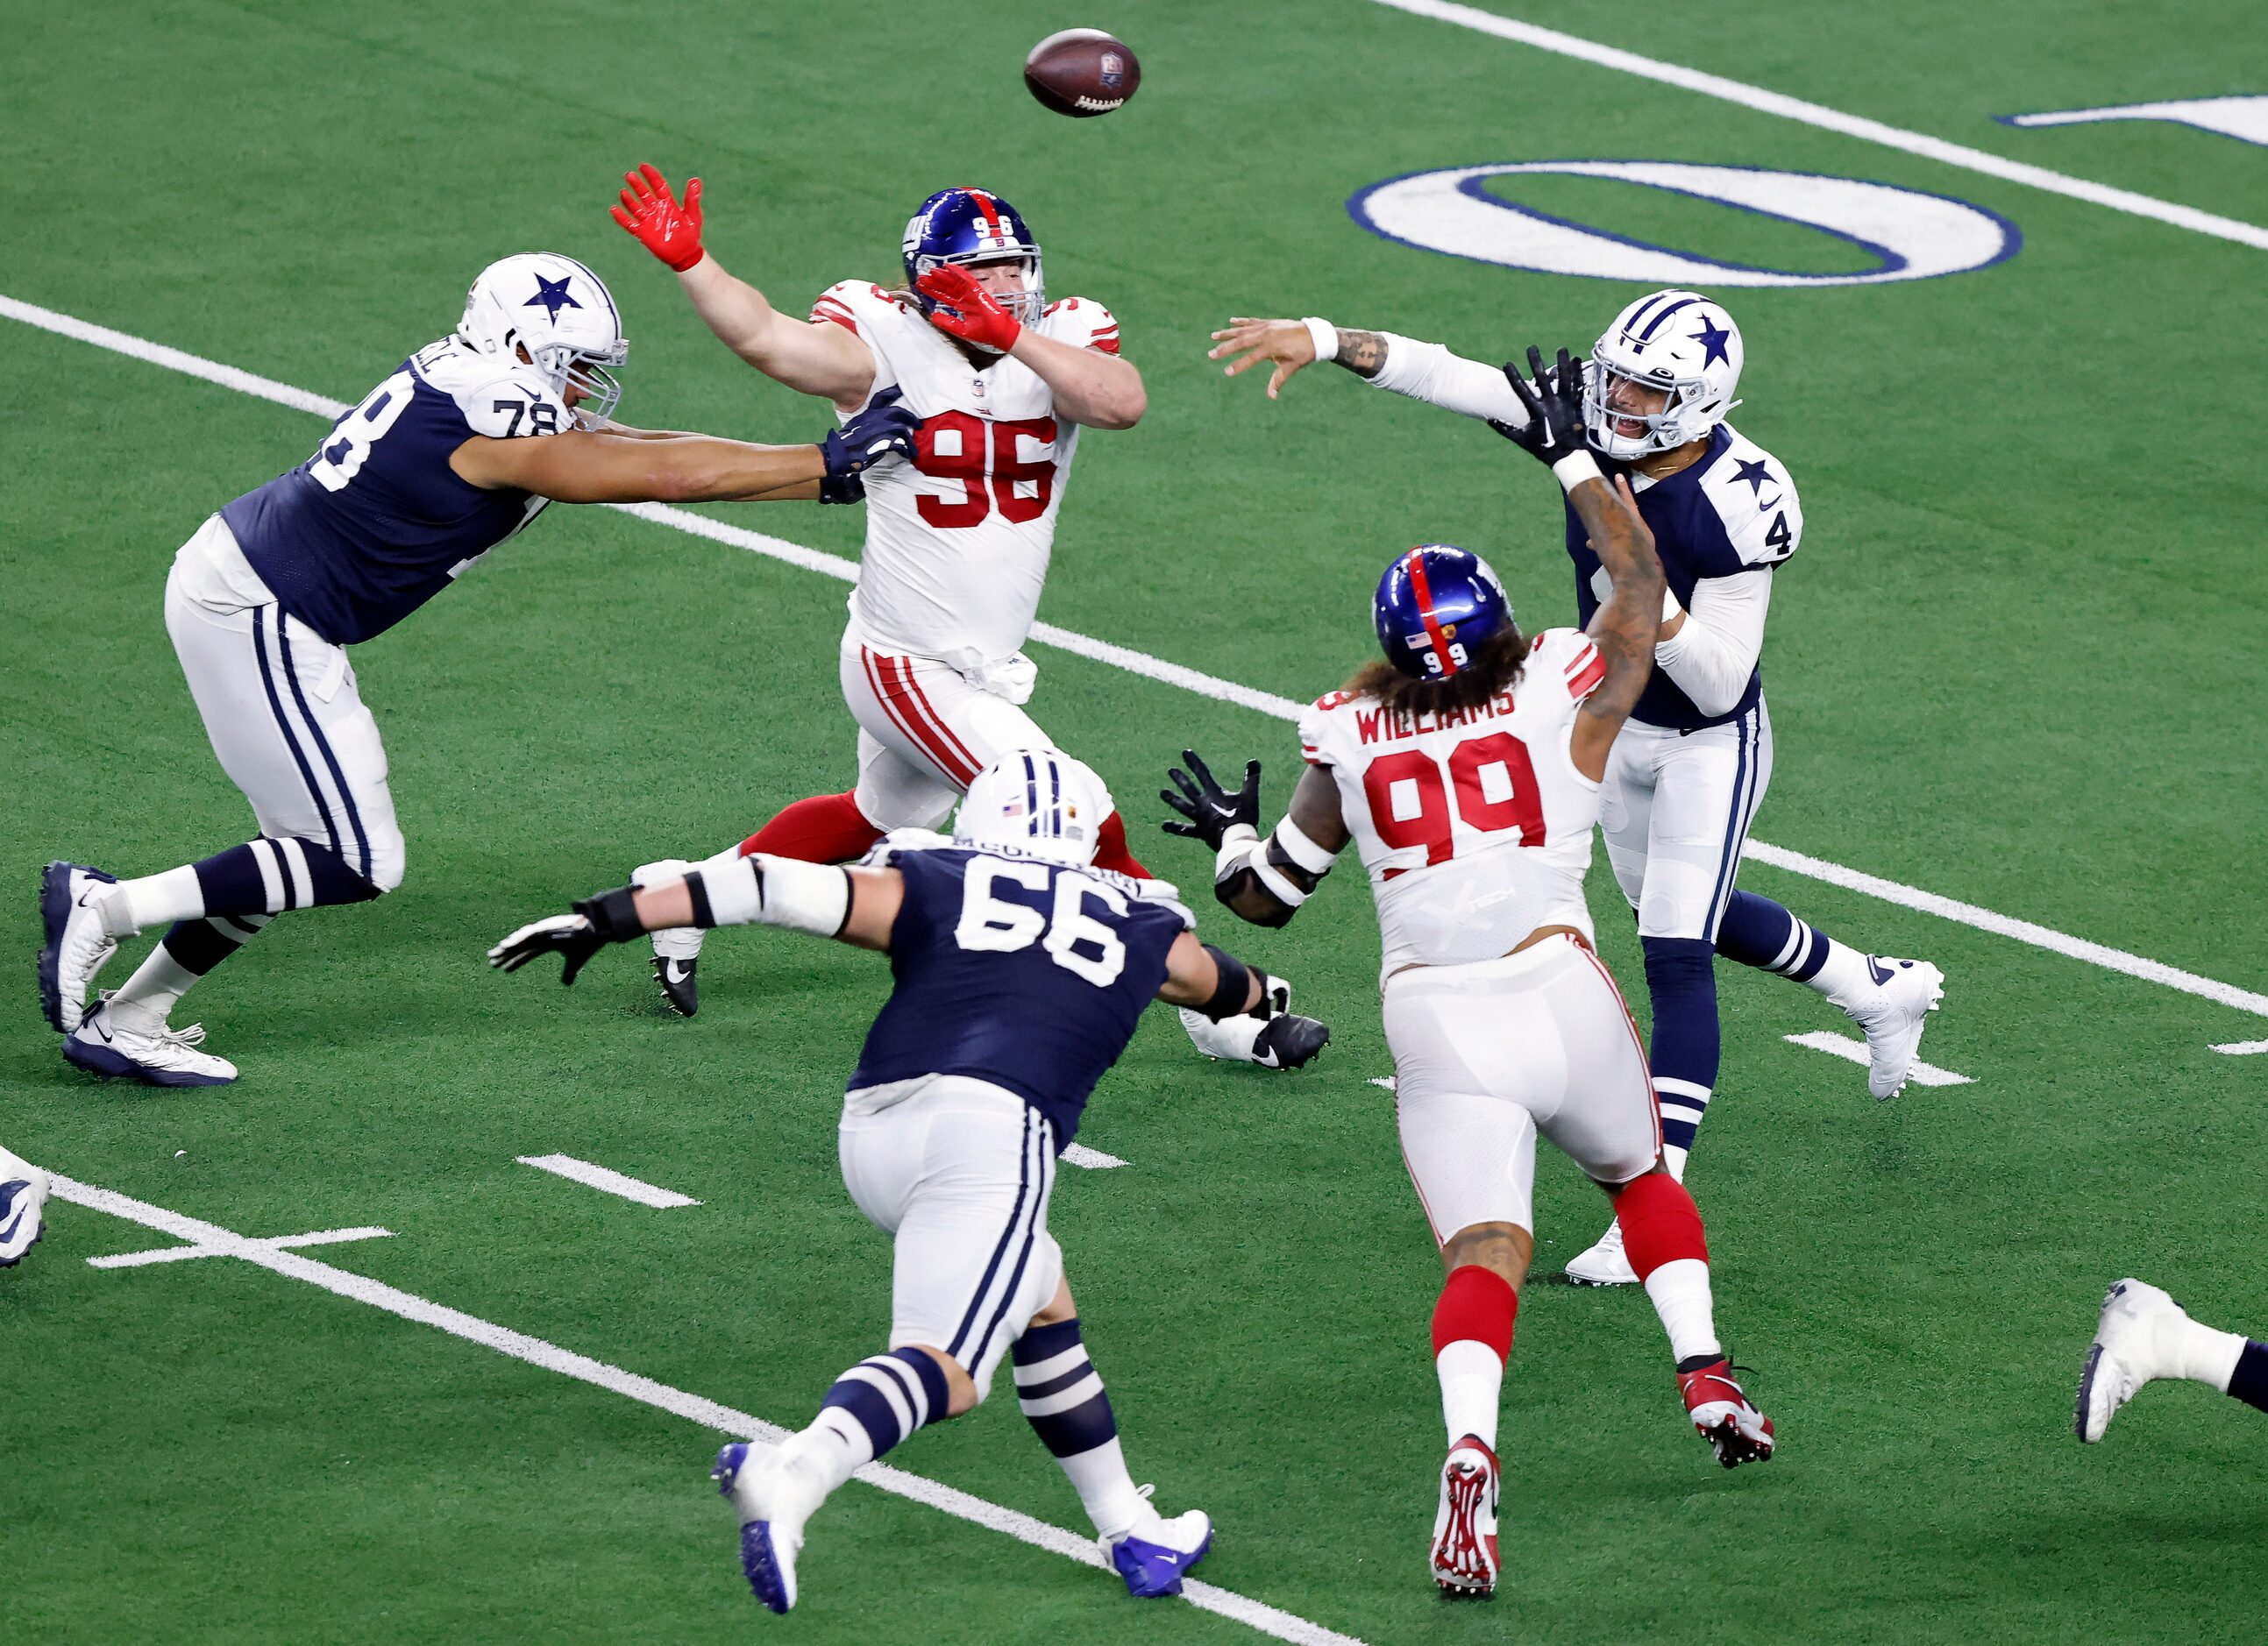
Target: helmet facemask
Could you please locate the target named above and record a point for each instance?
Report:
(1027, 306)
(1692, 411)
(585, 371)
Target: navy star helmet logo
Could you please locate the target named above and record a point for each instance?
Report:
(552, 294)
(1756, 473)
(1713, 339)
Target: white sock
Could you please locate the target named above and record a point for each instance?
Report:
(2199, 1352)
(155, 900)
(1472, 1386)
(146, 1003)
(833, 1448)
(1673, 1157)
(1680, 1291)
(1842, 976)
(1106, 1491)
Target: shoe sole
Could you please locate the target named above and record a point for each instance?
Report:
(116, 1065)
(2086, 1396)
(10, 1262)
(761, 1568)
(1451, 1581)
(1913, 1053)
(1733, 1448)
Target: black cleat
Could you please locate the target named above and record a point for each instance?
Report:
(678, 987)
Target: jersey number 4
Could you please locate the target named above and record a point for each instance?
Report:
(1495, 785)
(984, 457)
(1071, 937)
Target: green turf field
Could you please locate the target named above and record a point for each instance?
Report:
(2017, 663)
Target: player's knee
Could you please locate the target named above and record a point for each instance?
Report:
(1678, 965)
(389, 860)
(963, 1394)
(1504, 1249)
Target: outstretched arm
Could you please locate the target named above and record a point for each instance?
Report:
(815, 359)
(1263, 881)
(1624, 626)
(1248, 1021)
(1421, 370)
(855, 906)
(603, 465)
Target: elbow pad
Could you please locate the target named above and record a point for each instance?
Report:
(762, 889)
(1276, 866)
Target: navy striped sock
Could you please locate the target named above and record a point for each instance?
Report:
(1681, 976)
(1060, 1391)
(877, 1404)
(1757, 932)
(267, 877)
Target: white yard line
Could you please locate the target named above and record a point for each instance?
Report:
(696, 1408)
(1853, 1050)
(1767, 102)
(1190, 680)
(177, 1254)
(1092, 1159)
(609, 1181)
(2242, 1048)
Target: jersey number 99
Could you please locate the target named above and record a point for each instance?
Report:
(1409, 802)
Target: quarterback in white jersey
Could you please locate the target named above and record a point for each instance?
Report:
(958, 538)
(1466, 768)
(1692, 765)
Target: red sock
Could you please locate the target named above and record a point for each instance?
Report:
(1661, 1223)
(1476, 1303)
(1111, 852)
(825, 829)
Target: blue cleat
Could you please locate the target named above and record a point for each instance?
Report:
(73, 945)
(165, 1057)
(1154, 1562)
(773, 1498)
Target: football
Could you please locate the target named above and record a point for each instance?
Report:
(1082, 72)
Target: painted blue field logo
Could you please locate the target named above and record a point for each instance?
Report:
(1909, 235)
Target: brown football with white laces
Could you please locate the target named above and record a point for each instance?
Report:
(1082, 72)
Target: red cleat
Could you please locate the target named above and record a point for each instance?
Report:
(1464, 1528)
(1734, 1429)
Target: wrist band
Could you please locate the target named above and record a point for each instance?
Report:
(1576, 467)
(1325, 337)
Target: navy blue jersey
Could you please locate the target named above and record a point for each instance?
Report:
(1733, 514)
(377, 522)
(1029, 974)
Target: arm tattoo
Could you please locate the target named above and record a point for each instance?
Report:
(1362, 353)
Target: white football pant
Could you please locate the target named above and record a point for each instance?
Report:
(926, 728)
(959, 1171)
(1675, 810)
(281, 707)
(1488, 1053)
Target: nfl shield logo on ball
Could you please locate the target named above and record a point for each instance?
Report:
(1114, 69)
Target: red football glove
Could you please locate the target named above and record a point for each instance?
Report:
(967, 310)
(649, 210)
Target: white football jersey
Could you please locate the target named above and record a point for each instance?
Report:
(958, 540)
(1475, 828)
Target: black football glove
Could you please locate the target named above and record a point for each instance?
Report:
(885, 428)
(1555, 407)
(609, 917)
(1212, 810)
(1290, 1042)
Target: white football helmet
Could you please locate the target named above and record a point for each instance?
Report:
(1680, 342)
(1037, 802)
(560, 312)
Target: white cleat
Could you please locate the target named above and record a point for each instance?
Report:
(23, 1193)
(74, 945)
(2129, 1350)
(1157, 1553)
(774, 1495)
(1605, 1264)
(1892, 1014)
(166, 1057)
(1465, 1553)
(677, 948)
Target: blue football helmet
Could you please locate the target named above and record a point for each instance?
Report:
(1436, 605)
(971, 226)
